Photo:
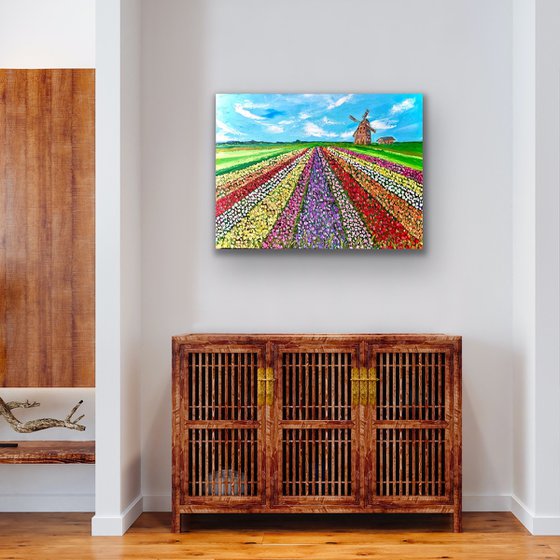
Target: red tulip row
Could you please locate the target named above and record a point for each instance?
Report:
(226, 202)
(387, 231)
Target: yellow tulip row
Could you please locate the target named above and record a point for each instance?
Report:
(251, 230)
(399, 179)
(231, 181)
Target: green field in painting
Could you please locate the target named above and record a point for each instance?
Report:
(233, 157)
(405, 153)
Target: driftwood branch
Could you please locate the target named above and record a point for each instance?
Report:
(17, 404)
(40, 424)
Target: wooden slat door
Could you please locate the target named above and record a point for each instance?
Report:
(409, 427)
(315, 456)
(220, 455)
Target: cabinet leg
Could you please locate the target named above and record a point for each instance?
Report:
(457, 521)
(175, 522)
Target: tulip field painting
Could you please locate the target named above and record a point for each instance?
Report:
(319, 171)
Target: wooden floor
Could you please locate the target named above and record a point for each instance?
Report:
(38, 536)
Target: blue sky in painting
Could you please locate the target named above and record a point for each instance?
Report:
(287, 117)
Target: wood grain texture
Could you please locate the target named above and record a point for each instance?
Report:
(66, 536)
(49, 452)
(47, 231)
(357, 423)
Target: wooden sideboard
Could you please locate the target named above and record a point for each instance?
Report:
(365, 423)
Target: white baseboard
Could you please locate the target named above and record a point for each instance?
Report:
(523, 513)
(541, 525)
(157, 502)
(117, 525)
(47, 502)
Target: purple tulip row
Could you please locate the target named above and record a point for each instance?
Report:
(357, 234)
(320, 224)
(282, 233)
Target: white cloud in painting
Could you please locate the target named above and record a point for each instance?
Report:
(383, 124)
(316, 131)
(326, 120)
(346, 134)
(275, 129)
(225, 132)
(228, 129)
(340, 101)
(250, 105)
(286, 122)
(239, 108)
(403, 106)
(304, 115)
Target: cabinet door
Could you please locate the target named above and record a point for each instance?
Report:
(222, 426)
(409, 428)
(315, 427)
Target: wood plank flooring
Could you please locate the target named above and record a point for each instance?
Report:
(65, 536)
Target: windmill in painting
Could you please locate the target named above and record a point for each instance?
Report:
(362, 135)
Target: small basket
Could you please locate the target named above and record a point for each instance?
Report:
(226, 483)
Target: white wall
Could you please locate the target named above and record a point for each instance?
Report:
(523, 242)
(460, 284)
(131, 317)
(547, 260)
(48, 34)
(536, 240)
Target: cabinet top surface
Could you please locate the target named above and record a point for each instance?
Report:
(416, 338)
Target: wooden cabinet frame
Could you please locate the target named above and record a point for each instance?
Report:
(316, 423)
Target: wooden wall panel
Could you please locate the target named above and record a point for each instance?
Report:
(47, 230)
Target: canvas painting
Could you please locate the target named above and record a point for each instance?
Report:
(319, 171)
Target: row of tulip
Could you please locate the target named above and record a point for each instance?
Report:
(281, 235)
(389, 174)
(323, 197)
(320, 225)
(387, 231)
(253, 222)
(235, 179)
(404, 170)
(391, 185)
(409, 216)
(226, 202)
(357, 234)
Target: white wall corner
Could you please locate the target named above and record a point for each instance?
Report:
(522, 512)
(541, 525)
(117, 525)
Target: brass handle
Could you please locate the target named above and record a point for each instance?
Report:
(364, 386)
(269, 386)
(265, 386)
(359, 386)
